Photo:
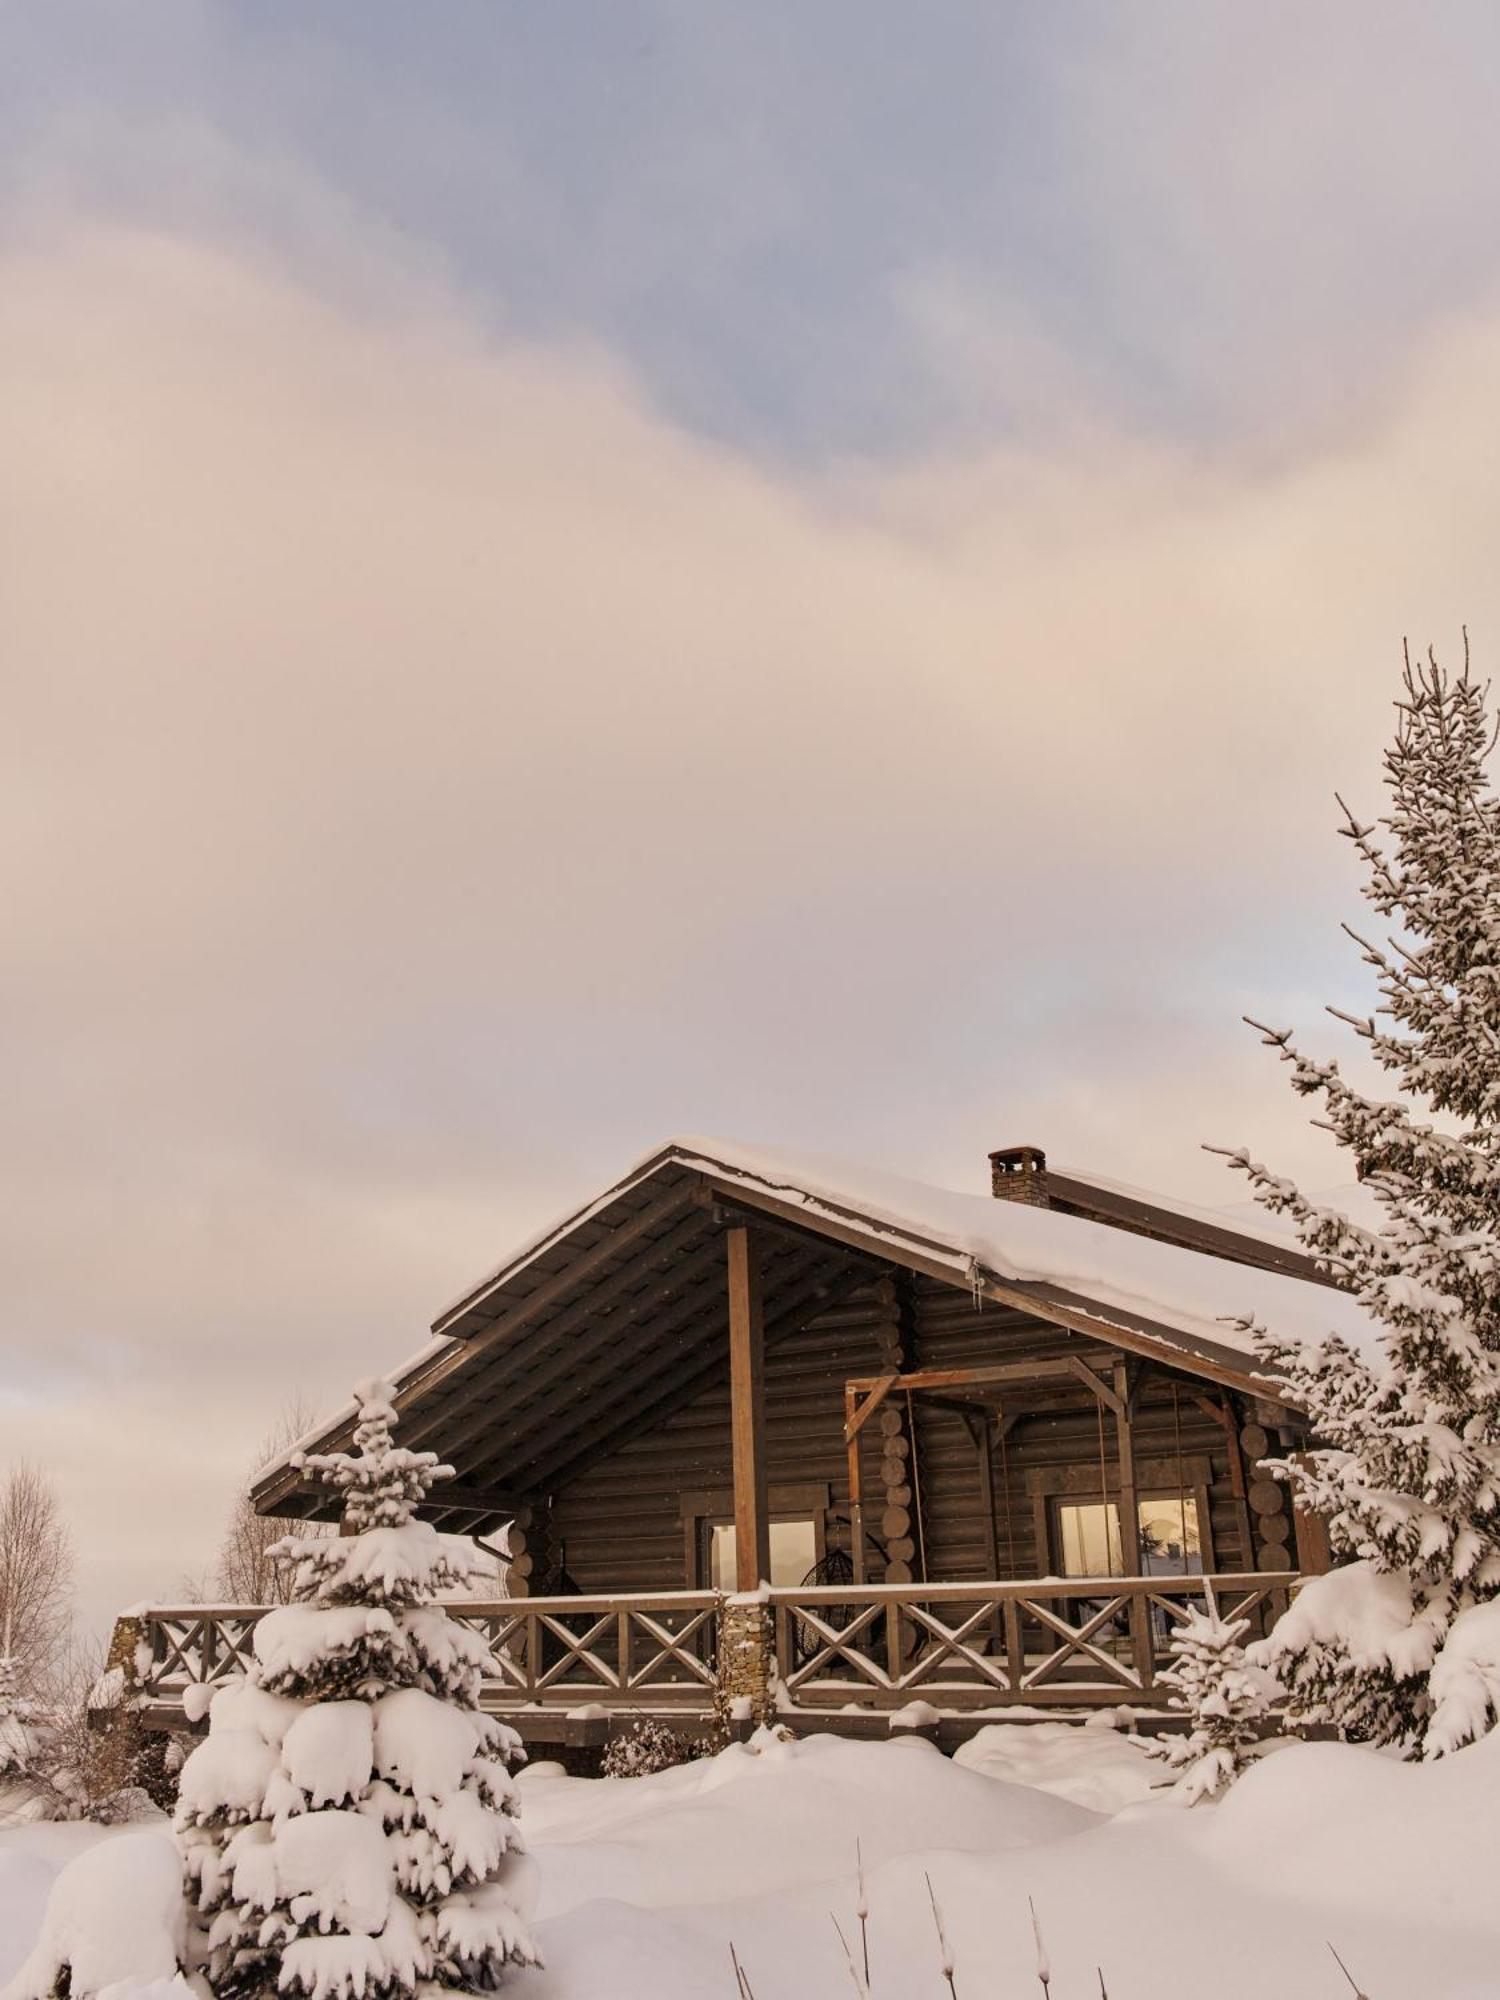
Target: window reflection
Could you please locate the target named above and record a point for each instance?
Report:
(1169, 1542)
(794, 1551)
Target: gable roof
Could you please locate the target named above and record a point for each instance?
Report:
(615, 1314)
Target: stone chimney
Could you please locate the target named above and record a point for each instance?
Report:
(1019, 1173)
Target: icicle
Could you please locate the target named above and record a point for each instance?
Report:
(974, 1272)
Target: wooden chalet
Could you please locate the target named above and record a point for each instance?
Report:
(779, 1435)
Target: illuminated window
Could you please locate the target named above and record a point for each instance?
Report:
(794, 1551)
(1088, 1537)
(1170, 1541)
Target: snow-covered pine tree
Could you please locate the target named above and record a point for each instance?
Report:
(349, 1824)
(1225, 1698)
(24, 1736)
(1405, 1467)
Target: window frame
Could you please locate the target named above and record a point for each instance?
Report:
(1155, 1478)
(704, 1510)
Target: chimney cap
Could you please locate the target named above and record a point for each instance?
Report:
(1019, 1160)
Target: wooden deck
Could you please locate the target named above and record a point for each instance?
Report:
(570, 1668)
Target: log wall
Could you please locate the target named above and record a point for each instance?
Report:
(620, 1525)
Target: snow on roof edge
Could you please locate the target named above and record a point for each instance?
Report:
(797, 1177)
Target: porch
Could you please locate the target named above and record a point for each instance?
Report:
(574, 1669)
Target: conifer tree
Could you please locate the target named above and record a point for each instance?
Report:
(349, 1824)
(24, 1735)
(1405, 1465)
(1225, 1698)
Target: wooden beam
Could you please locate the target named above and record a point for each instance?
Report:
(561, 1360)
(457, 1496)
(547, 1397)
(865, 1410)
(1112, 1399)
(687, 1373)
(1224, 1417)
(430, 1375)
(574, 1272)
(1000, 1374)
(676, 1329)
(747, 1391)
(1166, 1225)
(906, 1248)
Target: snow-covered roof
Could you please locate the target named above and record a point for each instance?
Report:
(1106, 1279)
(1198, 1295)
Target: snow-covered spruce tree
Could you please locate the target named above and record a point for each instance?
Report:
(349, 1824)
(1405, 1464)
(1225, 1698)
(25, 1739)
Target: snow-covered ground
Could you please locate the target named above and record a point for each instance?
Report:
(646, 1881)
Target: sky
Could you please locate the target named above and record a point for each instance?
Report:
(573, 574)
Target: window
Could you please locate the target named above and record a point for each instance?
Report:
(1088, 1537)
(794, 1551)
(1170, 1542)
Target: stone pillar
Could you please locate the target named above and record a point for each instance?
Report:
(745, 1696)
(127, 1753)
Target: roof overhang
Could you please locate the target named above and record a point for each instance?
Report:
(605, 1323)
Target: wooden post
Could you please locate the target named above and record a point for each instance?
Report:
(747, 1341)
(977, 1423)
(856, 1490)
(978, 1427)
(1130, 1512)
(1314, 1550)
(1130, 1527)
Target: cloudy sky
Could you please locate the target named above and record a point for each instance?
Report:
(578, 572)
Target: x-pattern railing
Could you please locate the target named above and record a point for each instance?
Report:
(959, 1644)
(563, 1647)
(198, 1645)
(971, 1644)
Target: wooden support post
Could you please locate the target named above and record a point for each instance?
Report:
(1130, 1513)
(1238, 1481)
(856, 1496)
(1314, 1550)
(1130, 1527)
(747, 1389)
(977, 1423)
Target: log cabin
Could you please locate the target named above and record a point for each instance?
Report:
(777, 1436)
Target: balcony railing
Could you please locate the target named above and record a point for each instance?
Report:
(1081, 1642)
(1084, 1641)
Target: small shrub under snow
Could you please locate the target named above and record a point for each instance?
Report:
(647, 1746)
(1226, 1699)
